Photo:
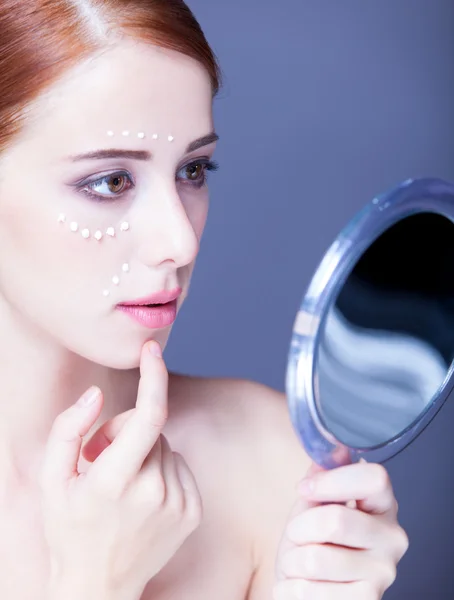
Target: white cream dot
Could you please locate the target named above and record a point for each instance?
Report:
(125, 268)
(98, 235)
(74, 226)
(115, 280)
(141, 135)
(155, 136)
(110, 231)
(85, 233)
(61, 218)
(126, 133)
(170, 138)
(110, 133)
(124, 226)
(105, 293)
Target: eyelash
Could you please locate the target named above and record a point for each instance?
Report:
(87, 187)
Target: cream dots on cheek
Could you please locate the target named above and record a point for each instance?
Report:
(98, 234)
(110, 232)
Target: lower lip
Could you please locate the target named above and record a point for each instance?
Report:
(152, 317)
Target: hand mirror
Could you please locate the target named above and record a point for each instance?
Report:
(371, 357)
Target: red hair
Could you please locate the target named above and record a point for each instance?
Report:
(41, 39)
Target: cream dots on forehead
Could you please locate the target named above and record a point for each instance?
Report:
(110, 232)
(141, 135)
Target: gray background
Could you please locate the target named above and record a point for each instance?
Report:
(325, 104)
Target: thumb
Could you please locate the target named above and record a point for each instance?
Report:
(62, 450)
(105, 435)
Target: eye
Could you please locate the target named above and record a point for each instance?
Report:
(109, 186)
(195, 173)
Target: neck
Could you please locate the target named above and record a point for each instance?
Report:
(40, 379)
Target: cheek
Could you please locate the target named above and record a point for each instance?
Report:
(32, 264)
(37, 259)
(27, 239)
(43, 259)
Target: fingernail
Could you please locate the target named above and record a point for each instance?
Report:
(155, 349)
(89, 397)
(306, 487)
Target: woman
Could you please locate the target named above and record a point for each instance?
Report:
(188, 488)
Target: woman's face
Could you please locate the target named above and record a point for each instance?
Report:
(81, 234)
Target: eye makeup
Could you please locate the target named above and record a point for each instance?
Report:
(192, 174)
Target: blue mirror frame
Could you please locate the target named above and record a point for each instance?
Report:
(409, 198)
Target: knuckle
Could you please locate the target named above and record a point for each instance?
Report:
(156, 489)
(175, 505)
(150, 491)
(402, 541)
(194, 513)
(395, 506)
(389, 574)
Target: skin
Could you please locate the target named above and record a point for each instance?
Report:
(62, 333)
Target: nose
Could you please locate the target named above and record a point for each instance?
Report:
(166, 232)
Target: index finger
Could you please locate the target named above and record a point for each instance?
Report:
(368, 484)
(123, 459)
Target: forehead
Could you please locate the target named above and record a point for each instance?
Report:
(132, 86)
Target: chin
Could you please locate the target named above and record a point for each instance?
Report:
(122, 353)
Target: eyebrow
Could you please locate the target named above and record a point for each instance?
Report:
(141, 154)
(203, 141)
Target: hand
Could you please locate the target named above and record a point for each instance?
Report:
(121, 522)
(331, 551)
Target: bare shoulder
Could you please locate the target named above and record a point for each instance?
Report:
(249, 415)
(250, 429)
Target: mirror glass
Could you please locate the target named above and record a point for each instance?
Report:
(387, 342)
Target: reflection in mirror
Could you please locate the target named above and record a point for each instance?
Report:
(388, 341)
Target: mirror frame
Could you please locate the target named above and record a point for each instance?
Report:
(409, 198)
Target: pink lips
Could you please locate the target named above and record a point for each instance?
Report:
(153, 317)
